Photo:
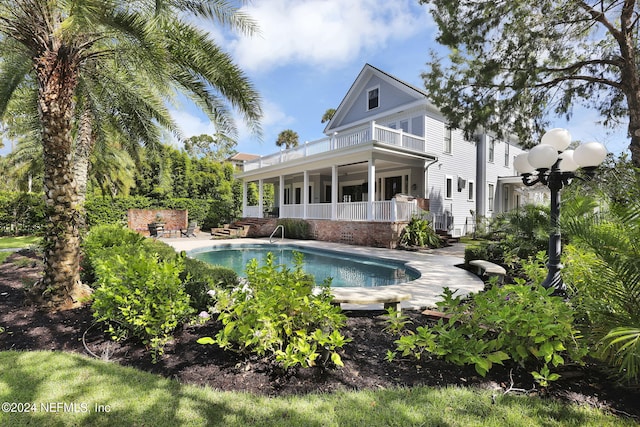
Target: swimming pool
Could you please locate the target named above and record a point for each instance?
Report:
(346, 270)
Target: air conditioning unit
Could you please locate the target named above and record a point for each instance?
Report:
(462, 184)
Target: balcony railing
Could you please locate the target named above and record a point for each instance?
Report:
(340, 140)
(383, 211)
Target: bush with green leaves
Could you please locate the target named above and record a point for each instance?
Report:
(295, 228)
(101, 240)
(199, 278)
(602, 272)
(527, 325)
(420, 233)
(514, 236)
(278, 312)
(138, 294)
(21, 213)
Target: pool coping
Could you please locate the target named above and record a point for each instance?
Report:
(437, 271)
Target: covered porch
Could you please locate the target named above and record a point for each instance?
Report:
(343, 178)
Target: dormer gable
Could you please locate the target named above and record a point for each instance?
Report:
(374, 94)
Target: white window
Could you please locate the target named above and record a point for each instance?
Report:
(506, 155)
(491, 195)
(373, 98)
(404, 125)
(471, 195)
(447, 140)
(448, 187)
(492, 149)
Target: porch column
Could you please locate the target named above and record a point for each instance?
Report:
(334, 192)
(260, 201)
(244, 198)
(280, 195)
(305, 193)
(372, 189)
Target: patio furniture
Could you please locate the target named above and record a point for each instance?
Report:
(156, 229)
(190, 231)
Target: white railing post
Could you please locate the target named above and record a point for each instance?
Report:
(260, 196)
(394, 210)
(373, 129)
(244, 199)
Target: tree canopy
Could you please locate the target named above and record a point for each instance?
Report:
(288, 138)
(53, 45)
(514, 64)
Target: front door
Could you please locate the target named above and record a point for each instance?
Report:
(392, 186)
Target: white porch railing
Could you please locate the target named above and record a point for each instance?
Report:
(319, 211)
(383, 211)
(352, 211)
(292, 211)
(252, 211)
(351, 138)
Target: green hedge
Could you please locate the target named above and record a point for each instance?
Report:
(21, 213)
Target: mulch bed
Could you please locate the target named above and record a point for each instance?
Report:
(29, 328)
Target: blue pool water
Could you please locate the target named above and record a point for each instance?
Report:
(345, 270)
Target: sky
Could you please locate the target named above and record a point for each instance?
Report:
(308, 53)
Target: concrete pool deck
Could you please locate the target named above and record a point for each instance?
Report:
(437, 267)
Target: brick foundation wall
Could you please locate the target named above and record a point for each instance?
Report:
(138, 219)
(375, 234)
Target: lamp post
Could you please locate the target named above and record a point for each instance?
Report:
(551, 164)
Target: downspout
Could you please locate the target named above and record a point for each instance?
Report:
(481, 176)
(426, 178)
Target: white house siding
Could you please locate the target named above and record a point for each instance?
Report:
(496, 169)
(459, 164)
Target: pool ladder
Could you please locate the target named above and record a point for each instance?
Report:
(274, 232)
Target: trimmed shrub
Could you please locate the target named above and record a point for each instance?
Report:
(140, 295)
(277, 313)
(296, 228)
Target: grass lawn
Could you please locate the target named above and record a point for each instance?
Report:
(18, 242)
(67, 390)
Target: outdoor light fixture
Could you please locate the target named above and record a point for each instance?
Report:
(551, 164)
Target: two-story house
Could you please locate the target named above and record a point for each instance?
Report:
(388, 154)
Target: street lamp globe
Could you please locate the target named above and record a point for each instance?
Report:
(521, 163)
(567, 162)
(542, 156)
(558, 138)
(590, 155)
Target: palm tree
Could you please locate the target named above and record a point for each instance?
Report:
(288, 138)
(68, 40)
(328, 115)
(604, 278)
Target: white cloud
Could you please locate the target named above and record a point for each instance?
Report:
(192, 124)
(323, 33)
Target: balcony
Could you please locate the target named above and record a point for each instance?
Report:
(372, 132)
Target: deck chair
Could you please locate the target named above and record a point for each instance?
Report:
(190, 231)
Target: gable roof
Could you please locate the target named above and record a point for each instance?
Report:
(361, 83)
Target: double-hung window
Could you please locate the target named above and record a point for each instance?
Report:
(373, 98)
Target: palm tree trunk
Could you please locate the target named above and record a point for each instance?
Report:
(60, 287)
(83, 147)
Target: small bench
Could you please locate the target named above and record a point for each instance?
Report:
(489, 269)
(389, 298)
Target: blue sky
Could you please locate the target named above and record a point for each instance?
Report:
(308, 53)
